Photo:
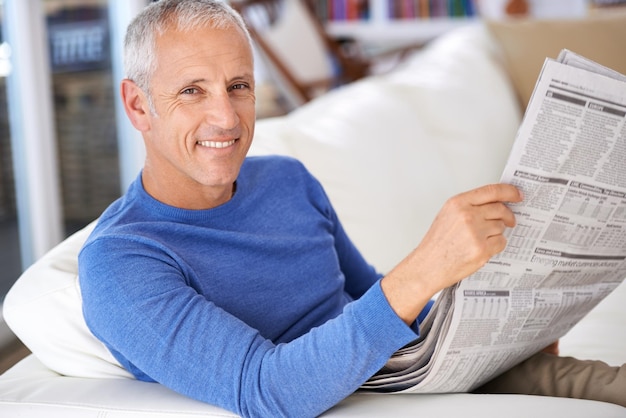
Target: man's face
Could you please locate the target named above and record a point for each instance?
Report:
(203, 96)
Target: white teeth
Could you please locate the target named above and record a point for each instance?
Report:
(216, 144)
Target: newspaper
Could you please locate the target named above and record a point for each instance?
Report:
(566, 253)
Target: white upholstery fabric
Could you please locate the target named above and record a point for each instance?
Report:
(389, 150)
(32, 391)
(44, 309)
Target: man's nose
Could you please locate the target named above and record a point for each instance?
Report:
(221, 112)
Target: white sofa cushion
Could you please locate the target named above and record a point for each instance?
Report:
(44, 309)
(32, 391)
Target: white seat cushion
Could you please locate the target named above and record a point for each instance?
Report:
(30, 390)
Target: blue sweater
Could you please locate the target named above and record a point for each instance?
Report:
(262, 305)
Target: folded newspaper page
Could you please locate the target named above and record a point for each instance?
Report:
(566, 253)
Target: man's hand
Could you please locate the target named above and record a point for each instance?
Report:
(465, 234)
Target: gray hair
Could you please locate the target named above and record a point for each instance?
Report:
(140, 42)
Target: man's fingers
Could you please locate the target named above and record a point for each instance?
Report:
(493, 193)
(499, 211)
(493, 227)
(496, 243)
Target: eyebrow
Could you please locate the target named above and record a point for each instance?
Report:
(245, 76)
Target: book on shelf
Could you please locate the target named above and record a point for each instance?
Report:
(365, 10)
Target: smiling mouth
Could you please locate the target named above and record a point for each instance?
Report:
(217, 144)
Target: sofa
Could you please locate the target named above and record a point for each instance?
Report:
(389, 150)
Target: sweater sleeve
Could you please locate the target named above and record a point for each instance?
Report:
(137, 302)
(359, 274)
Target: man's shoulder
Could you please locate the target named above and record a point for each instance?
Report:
(122, 217)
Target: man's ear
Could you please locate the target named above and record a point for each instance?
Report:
(135, 104)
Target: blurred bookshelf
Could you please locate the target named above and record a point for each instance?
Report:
(393, 22)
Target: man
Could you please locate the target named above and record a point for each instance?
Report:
(230, 279)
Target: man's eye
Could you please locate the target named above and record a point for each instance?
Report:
(190, 90)
(239, 86)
